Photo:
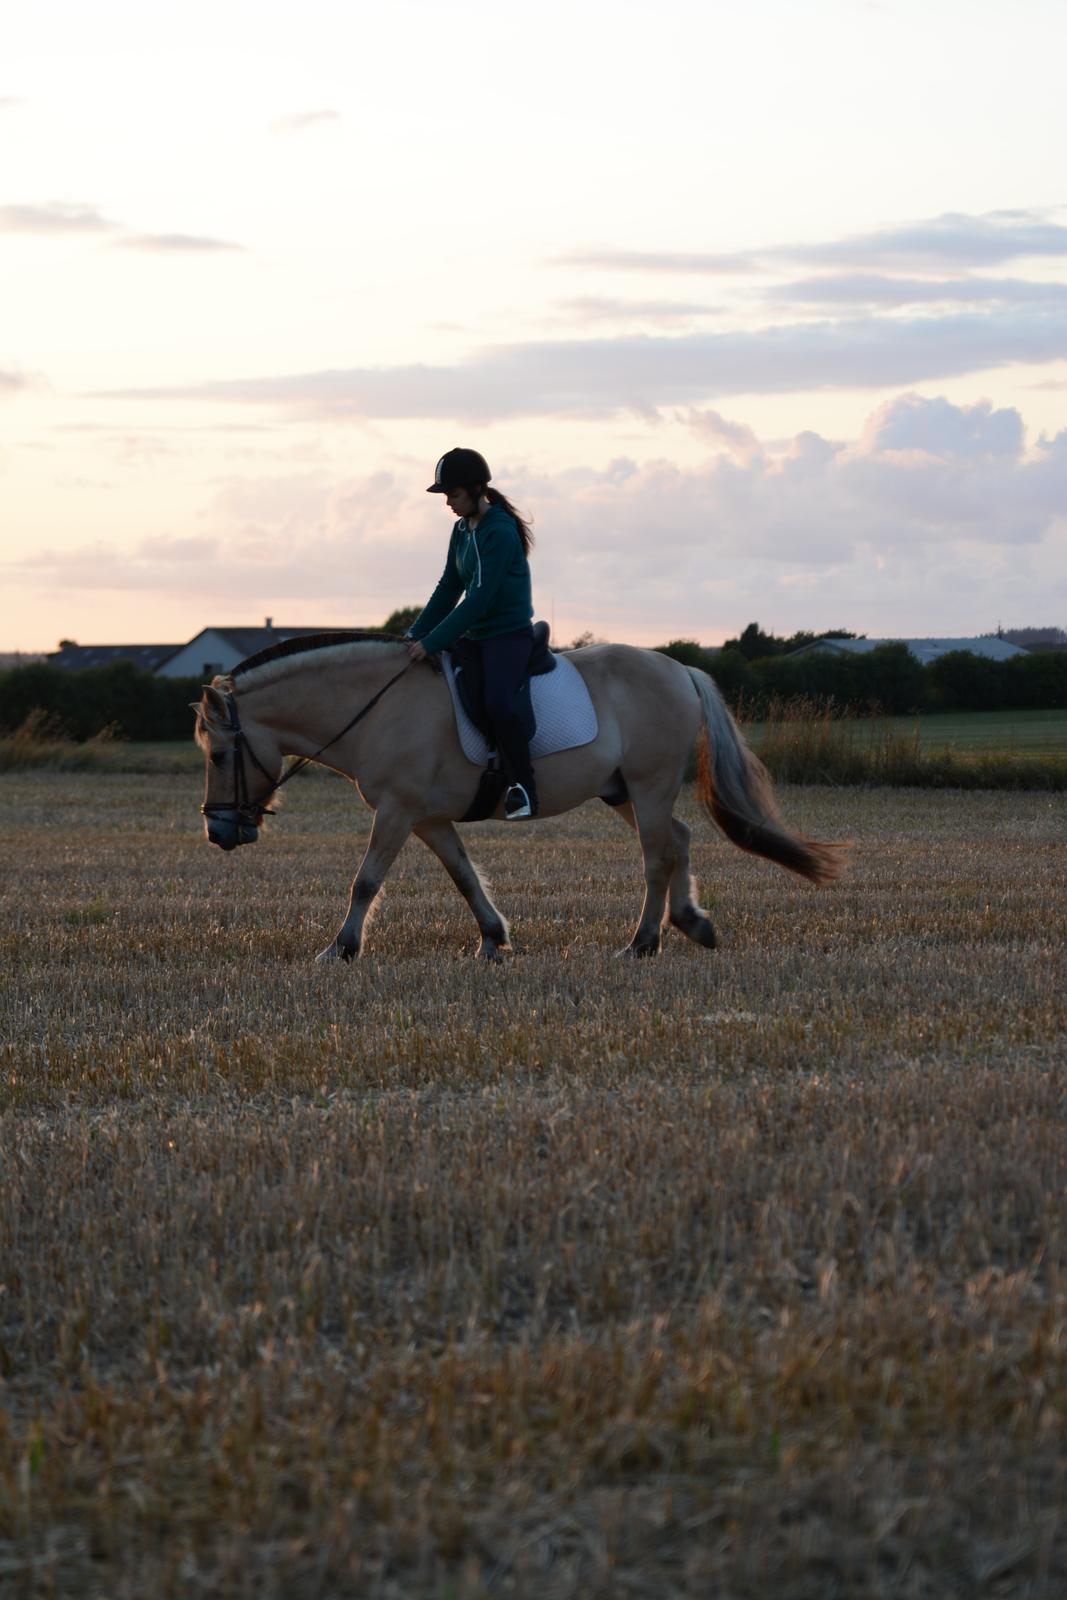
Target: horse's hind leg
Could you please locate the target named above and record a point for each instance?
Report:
(441, 837)
(387, 835)
(652, 818)
(685, 913)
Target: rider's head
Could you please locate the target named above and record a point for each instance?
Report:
(461, 476)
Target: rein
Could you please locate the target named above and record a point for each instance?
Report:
(249, 810)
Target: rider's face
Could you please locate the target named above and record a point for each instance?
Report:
(460, 502)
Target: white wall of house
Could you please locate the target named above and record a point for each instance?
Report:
(202, 657)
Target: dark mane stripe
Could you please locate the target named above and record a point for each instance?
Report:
(311, 641)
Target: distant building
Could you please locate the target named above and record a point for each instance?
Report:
(80, 657)
(924, 650)
(20, 658)
(216, 650)
(211, 651)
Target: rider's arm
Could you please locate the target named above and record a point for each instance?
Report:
(496, 549)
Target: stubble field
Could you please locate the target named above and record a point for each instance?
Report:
(736, 1273)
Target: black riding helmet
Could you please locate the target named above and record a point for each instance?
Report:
(457, 469)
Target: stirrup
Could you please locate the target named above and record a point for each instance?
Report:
(517, 804)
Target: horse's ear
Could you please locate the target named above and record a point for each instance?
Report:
(212, 708)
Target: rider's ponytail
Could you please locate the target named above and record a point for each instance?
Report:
(495, 498)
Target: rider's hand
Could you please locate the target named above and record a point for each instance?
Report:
(415, 650)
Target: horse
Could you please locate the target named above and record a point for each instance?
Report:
(402, 751)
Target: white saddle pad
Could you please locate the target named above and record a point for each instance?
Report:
(563, 710)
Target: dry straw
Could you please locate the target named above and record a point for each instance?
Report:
(736, 1273)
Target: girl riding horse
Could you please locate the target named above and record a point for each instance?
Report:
(488, 558)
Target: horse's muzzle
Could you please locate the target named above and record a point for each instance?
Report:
(229, 829)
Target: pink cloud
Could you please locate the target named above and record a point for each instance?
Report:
(937, 519)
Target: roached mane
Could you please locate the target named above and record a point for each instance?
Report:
(311, 641)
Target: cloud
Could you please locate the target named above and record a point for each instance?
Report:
(713, 264)
(57, 217)
(602, 377)
(949, 242)
(872, 289)
(13, 382)
(952, 240)
(600, 308)
(176, 243)
(12, 102)
(733, 437)
(300, 121)
(62, 218)
(943, 431)
(936, 520)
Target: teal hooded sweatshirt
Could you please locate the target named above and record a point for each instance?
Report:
(490, 564)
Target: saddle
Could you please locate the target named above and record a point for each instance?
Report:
(470, 681)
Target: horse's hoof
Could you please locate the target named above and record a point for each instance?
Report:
(337, 952)
(491, 952)
(696, 926)
(639, 951)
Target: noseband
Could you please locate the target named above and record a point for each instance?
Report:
(245, 812)
(249, 813)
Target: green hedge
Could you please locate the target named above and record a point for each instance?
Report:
(888, 679)
(139, 705)
(135, 704)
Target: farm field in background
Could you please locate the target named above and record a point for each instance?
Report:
(970, 736)
(737, 1272)
(969, 732)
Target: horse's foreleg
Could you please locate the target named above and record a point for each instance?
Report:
(441, 837)
(387, 835)
(685, 913)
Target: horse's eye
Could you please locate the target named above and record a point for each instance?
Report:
(218, 757)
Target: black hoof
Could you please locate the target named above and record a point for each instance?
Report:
(696, 926)
(338, 952)
(646, 947)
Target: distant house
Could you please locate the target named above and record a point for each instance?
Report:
(216, 650)
(211, 651)
(80, 657)
(924, 650)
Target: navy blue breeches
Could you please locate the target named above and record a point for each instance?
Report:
(505, 660)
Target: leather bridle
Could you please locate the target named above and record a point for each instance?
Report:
(246, 812)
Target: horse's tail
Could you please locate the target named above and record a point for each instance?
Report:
(736, 790)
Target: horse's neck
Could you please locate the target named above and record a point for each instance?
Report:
(307, 707)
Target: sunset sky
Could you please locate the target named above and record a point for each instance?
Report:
(759, 311)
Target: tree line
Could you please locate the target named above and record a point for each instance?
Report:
(888, 679)
(752, 671)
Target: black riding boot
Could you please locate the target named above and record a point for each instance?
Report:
(514, 749)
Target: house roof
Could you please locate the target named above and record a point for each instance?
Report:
(80, 657)
(247, 641)
(925, 650)
(243, 641)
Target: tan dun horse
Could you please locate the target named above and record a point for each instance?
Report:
(355, 704)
